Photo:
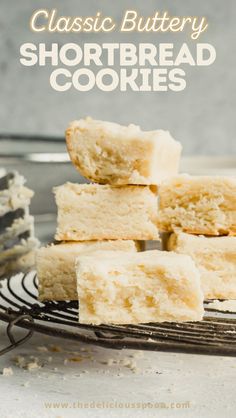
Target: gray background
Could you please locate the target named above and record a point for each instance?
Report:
(202, 117)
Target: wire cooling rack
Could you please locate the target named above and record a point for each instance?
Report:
(19, 306)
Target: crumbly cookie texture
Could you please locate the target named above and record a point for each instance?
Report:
(97, 212)
(215, 258)
(132, 288)
(198, 205)
(56, 266)
(109, 153)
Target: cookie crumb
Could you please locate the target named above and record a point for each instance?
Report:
(7, 371)
(42, 349)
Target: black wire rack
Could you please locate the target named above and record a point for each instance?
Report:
(215, 335)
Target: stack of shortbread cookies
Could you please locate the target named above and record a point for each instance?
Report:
(200, 214)
(17, 240)
(100, 225)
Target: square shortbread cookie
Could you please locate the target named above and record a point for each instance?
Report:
(97, 212)
(215, 258)
(198, 205)
(56, 266)
(132, 288)
(108, 153)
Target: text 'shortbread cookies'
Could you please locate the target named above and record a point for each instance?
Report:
(198, 205)
(131, 288)
(109, 153)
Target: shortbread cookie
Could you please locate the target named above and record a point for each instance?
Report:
(215, 258)
(198, 205)
(56, 266)
(109, 153)
(132, 288)
(97, 212)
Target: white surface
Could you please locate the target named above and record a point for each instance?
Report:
(207, 383)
